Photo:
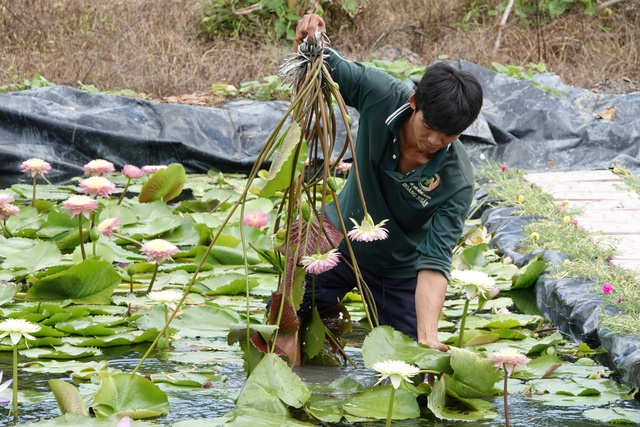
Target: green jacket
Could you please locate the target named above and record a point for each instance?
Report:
(425, 208)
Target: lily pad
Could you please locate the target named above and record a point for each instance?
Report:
(90, 282)
(272, 386)
(129, 394)
(473, 376)
(373, 403)
(614, 415)
(437, 404)
(40, 256)
(165, 184)
(68, 397)
(385, 343)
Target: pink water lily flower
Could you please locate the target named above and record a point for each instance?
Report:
(80, 204)
(3, 387)
(109, 226)
(98, 167)
(159, 250)
(6, 199)
(319, 263)
(98, 186)
(343, 167)
(150, 169)
(125, 422)
(7, 210)
(35, 166)
(132, 172)
(368, 231)
(257, 219)
(509, 358)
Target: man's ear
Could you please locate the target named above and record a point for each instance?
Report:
(412, 101)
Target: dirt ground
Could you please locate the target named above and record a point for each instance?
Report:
(158, 47)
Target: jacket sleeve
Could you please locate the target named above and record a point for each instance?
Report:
(361, 85)
(435, 252)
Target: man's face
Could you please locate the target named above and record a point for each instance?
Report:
(428, 141)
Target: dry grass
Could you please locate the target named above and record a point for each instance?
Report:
(155, 46)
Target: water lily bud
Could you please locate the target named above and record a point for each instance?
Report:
(333, 185)
(595, 375)
(131, 270)
(305, 209)
(585, 361)
(94, 234)
(550, 351)
(220, 178)
(281, 234)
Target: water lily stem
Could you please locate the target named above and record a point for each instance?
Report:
(506, 400)
(128, 239)
(463, 321)
(390, 411)
(126, 187)
(84, 255)
(33, 198)
(15, 384)
(153, 278)
(166, 320)
(5, 230)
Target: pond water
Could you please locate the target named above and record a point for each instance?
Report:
(37, 401)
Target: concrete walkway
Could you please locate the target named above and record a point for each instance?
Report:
(608, 209)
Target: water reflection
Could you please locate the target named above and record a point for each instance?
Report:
(198, 403)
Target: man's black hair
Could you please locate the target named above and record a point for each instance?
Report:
(450, 99)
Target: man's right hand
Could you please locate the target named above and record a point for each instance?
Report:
(309, 25)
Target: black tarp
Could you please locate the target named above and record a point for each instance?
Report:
(524, 126)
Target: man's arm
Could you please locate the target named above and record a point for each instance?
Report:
(430, 294)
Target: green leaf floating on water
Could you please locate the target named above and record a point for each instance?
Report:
(129, 394)
(69, 399)
(90, 282)
(165, 184)
(227, 284)
(473, 376)
(7, 292)
(40, 256)
(272, 386)
(384, 343)
(280, 173)
(528, 275)
(438, 398)
(614, 415)
(374, 403)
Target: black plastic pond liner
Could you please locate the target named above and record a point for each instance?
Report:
(572, 304)
(68, 128)
(524, 126)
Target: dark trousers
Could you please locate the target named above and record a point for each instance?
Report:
(394, 298)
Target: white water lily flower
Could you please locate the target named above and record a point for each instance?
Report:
(165, 297)
(396, 371)
(472, 282)
(18, 328)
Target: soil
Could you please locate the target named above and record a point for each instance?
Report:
(162, 49)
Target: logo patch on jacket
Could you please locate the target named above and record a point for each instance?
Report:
(429, 183)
